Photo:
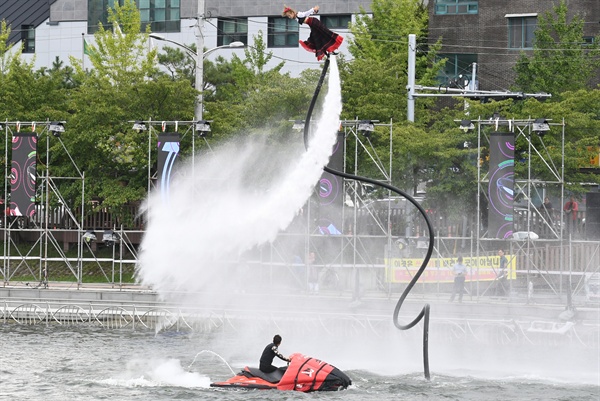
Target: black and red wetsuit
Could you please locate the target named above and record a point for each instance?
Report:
(266, 359)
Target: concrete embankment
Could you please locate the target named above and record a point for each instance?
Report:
(139, 299)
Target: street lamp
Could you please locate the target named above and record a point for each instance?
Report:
(466, 125)
(199, 59)
(366, 127)
(540, 126)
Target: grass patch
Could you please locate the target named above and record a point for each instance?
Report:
(92, 272)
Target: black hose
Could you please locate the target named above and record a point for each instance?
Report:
(425, 311)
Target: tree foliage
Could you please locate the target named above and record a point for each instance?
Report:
(374, 81)
(124, 85)
(178, 63)
(561, 60)
(561, 64)
(243, 97)
(564, 65)
(25, 93)
(374, 87)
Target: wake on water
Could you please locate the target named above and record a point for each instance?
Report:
(157, 372)
(237, 198)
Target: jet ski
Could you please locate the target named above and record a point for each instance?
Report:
(303, 373)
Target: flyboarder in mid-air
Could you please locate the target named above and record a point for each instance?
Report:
(321, 40)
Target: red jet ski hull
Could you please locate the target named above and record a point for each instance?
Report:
(303, 374)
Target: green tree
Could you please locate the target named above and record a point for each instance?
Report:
(581, 115)
(61, 73)
(452, 173)
(561, 60)
(124, 85)
(243, 97)
(26, 95)
(178, 63)
(121, 54)
(374, 81)
(374, 86)
(7, 59)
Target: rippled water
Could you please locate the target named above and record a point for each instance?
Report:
(89, 363)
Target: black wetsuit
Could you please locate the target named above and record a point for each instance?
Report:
(266, 359)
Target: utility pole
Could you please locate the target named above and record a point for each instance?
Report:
(438, 91)
(199, 60)
(198, 56)
(473, 77)
(471, 85)
(412, 59)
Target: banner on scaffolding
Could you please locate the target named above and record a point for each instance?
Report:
(23, 175)
(331, 193)
(501, 185)
(439, 270)
(168, 150)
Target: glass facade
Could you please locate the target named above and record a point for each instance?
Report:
(283, 32)
(232, 30)
(521, 32)
(98, 13)
(456, 65)
(28, 38)
(456, 6)
(336, 21)
(162, 15)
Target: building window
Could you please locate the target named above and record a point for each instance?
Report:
(336, 21)
(232, 30)
(589, 40)
(283, 32)
(28, 38)
(162, 15)
(521, 31)
(98, 13)
(457, 71)
(456, 6)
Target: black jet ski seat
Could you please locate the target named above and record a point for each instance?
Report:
(273, 377)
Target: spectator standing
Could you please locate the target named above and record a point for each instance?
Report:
(502, 275)
(460, 272)
(571, 209)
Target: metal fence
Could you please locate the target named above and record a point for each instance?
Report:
(351, 265)
(140, 317)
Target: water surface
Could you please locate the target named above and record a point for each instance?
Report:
(51, 362)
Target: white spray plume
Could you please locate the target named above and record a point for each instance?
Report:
(239, 197)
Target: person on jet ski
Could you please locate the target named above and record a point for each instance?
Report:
(271, 351)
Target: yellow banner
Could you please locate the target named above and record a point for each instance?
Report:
(439, 270)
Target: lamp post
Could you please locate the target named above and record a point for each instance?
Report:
(199, 60)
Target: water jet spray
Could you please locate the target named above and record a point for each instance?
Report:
(214, 354)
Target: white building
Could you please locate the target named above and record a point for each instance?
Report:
(56, 28)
